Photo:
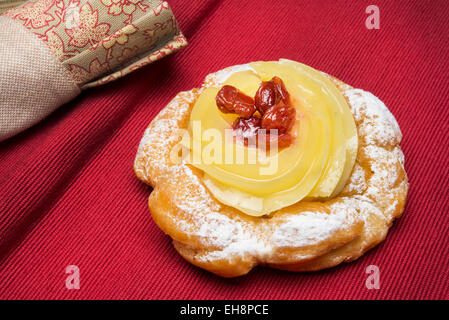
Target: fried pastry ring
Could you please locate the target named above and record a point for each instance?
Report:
(306, 236)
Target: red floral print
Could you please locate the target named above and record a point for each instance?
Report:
(81, 75)
(117, 7)
(33, 13)
(88, 31)
(92, 37)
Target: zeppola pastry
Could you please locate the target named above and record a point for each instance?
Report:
(276, 164)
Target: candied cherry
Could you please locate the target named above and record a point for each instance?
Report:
(280, 118)
(271, 93)
(230, 100)
(272, 101)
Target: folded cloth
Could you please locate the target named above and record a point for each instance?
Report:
(8, 4)
(50, 50)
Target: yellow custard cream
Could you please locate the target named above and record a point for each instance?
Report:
(315, 166)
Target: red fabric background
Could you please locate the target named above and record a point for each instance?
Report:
(69, 194)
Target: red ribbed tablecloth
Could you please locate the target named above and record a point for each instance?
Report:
(69, 195)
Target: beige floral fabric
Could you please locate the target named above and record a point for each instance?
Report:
(51, 49)
(101, 40)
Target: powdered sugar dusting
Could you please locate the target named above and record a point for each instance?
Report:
(370, 189)
(309, 228)
(211, 226)
(376, 123)
(356, 183)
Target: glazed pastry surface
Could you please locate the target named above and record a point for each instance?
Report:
(314, 164)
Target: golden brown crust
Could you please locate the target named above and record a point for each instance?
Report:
(306, 236)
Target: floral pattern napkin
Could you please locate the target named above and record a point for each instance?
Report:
(98, 41)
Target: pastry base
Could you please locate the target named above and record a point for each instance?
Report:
(306, 236)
